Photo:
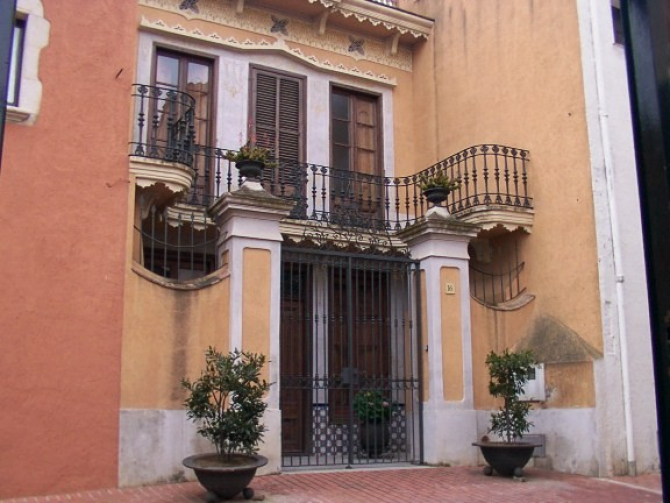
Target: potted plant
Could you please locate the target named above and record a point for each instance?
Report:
(250, 159)
(508, 373)
(437, 186)
(374, 414)
(226, 402)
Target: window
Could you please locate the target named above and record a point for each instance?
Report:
(191, 75)
(14, 84)
(277, 113)
(277, 122)
(355, 148)
(31, 35)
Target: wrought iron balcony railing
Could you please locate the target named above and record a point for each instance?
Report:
(164, 127)
(490, 175)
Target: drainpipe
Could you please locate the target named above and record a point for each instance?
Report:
(603, 118)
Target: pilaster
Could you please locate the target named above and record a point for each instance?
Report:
(440, 243)
(250, 245)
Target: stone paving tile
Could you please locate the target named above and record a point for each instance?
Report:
(450, 485)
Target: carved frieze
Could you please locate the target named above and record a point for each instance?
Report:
(276, 31)
(266, 43)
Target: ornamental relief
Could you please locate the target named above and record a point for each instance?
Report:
(268, 45)
(282, 30)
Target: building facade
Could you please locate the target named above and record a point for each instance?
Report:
(116, 175)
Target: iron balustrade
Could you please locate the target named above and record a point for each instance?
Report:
(164, 124)
(497, 277)
(177, 242)
(496, 288)
(489, 174)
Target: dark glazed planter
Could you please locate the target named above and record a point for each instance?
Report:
(374, 438)
(436, 195)
(250, 169)
(226, 480)
(506, 458)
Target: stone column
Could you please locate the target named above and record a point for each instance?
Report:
(440, 243)
(250, 246)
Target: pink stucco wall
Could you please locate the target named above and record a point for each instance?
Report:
(63, 209)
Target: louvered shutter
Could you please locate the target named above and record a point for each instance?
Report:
(277, 118)
(277, 113)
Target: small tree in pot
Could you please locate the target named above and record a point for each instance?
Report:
(508, 374)
(374, 412)
(226, 402)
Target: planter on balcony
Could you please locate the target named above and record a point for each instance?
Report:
(250, 169)
(436, 195)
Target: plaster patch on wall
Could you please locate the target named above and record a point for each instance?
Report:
(554, 342)
(302, 31)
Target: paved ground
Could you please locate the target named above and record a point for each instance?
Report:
(467, 485)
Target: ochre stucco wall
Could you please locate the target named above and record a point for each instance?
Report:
(509, 72)
(166, 334)
(256, 303)
(63, 194)
(452, 340)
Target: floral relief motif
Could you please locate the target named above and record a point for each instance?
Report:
(279, 25)
(189, 5)
(301, 32)
(356, 45)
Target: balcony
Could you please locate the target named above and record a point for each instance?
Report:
(161, 149)
(493, 191)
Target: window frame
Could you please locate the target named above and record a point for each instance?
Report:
(379, 137)
(16, 61)
(35, 38)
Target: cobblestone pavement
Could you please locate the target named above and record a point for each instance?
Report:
(449, 484)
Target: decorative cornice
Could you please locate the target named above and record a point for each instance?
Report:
(509, 218)
(175, 176)
(379, 14)
(307, 32)
(278, 45)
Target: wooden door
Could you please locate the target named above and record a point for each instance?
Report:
(359, 352)
(295, 355)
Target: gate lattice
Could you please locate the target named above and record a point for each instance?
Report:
(350, 359)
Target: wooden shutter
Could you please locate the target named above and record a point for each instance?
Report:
(277, 113)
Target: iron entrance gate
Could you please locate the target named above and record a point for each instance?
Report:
(350, 388)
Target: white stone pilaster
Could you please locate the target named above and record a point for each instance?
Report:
(249, 218)
(442, 241)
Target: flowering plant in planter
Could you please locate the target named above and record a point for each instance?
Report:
(250, 151)
(371, 406)
(439, 180)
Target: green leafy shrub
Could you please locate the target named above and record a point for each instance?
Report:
(371, 406)
(508, 373)
(226, 401)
